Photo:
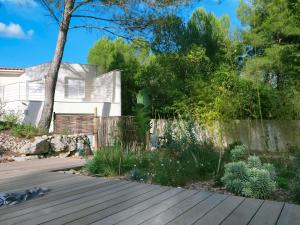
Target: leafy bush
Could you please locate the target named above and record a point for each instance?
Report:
(142, 123)
(184, 158)
(138, 175)
(24, 130)
(112, 161)
(235, 177)
(238, 152)
(251, 178)
(8, 121)
(108, 162)
(282, 182)
(11, 122)
(296, 193)
(259, 185)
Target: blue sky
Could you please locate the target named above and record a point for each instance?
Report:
(28, 36)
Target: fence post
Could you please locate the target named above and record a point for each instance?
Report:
(95, 123)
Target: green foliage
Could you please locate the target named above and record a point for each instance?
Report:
(24, 130)
(259, 185)
(110, 162)
(273, 29)
(251, 178)
(182, 159)
(185, 157)
(138, 175)
(120, 55)
(238, 152)
(142, 123)
(282, 182)
(10, 122)
(235, 177)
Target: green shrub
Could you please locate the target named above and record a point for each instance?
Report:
(251, 178)
(282, 182)
(296, 193)
(8, 121)
(112, 161)
(108, 162)
(238, 152)
(235, 177)
(259, 185)
(138, 175)
(184, 158)
(24, 130)
(254, 162)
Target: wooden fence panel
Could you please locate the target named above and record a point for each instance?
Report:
(116, 130)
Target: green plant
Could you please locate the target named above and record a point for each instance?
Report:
(24, 130)
(142, 123)
(137, 175)
(282, 182)
(238, 152)
(259, 185)
(251, 178)
(10, 118)
(296, 193)
(235, 176)
(111, 161)
(184, 157)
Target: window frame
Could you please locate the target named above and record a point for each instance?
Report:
(67, 90)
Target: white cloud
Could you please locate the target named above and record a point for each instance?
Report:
(20, 2)
(13, 30)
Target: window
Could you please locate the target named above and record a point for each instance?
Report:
(35, 90)
(75, 88)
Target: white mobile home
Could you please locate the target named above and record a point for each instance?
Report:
(79, 90)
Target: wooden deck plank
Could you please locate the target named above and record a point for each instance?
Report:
(199, 210)
(54, 202)
(289, 215)
(67, 189)
(53, 184)
(31, 180)
(16, 169)
(106, 209)
(219, 213)
(267, 214)
(83, 200)
(244, 213)
(65, 207)
(51, 213)
(157, 209)
(178, 209)
(117, 217)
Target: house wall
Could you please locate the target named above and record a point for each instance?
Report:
(101, 91)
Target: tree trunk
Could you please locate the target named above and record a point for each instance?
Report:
(51, 77)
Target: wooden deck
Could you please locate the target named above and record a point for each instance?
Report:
(75, 199)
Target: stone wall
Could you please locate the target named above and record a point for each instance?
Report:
(47, 145)
(10, 144)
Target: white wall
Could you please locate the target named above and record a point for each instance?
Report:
(102, 92)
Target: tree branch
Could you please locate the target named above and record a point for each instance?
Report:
(104, 28)
(97, 18)
(46, 5)
(80, 4)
